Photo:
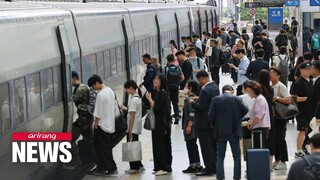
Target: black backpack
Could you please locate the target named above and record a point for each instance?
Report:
(269, 49)
(257, 28)
(172, 72)
(312, 170)
(282, 40)
(222, 57)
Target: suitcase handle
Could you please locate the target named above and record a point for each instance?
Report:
(252, 137)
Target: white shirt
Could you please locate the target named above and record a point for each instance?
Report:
(280, 90)
(276, 59)
(248, 102)
(315, 79)
(135, 105)
(105, 109)
(198, 44)
(209, 52)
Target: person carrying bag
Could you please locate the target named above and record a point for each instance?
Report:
(131, 151)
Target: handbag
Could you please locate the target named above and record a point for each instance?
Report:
(284, 111)
(150, 121)
(131, 151)
(120, 119)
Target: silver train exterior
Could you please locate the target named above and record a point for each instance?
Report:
(41, 43)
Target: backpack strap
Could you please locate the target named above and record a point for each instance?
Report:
(198, 61)
(309, 160)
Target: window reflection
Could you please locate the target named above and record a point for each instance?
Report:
(35, 98)
(5, 118)
(20, 100)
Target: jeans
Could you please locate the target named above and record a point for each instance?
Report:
(103, 146)
(193, 152)
(136, 164)
(221, 150)
(174, 97)
(281, 149)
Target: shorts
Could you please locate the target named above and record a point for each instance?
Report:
(302, 124)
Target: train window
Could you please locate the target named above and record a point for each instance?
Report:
(47, 81)
(100, 66)
(107, 64)
(119, 59)
(77, 67)
(113, 62)
(58, 85)
(20, 100)
(35, 97)
(5, 118)
(89, 67)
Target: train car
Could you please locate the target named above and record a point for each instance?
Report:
(34, 78)
(43, 42)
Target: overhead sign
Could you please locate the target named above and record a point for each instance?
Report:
(292, 3)
(275, 18)
(306, 6)
(252, 4)
(314, 2)
(265, 4)
(253, 12)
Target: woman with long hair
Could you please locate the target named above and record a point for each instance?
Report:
(134, 121)
(159, 101)
(267, 92)
(174, 50)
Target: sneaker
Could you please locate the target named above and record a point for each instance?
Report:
(168, 169)
(93, 169)
(104, 173)
(200, 168)
(281, 166)
(274, 164)
(305, 151)
(160, 173)
(299, 155)
(132, 171)
(142, 169)
(191, 170)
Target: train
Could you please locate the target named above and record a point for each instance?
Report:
(42, 42)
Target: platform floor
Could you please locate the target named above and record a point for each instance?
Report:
(180, 157)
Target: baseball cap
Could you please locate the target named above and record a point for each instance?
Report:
(305, 65)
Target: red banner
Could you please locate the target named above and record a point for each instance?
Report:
(41, 136)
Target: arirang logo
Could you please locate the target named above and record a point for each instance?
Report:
(34, 147)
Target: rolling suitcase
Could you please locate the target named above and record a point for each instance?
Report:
(258, 163)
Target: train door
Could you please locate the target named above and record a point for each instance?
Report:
(66, 55)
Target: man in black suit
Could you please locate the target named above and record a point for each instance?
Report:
(201, 105)
(215, 61)
(313, 98)
(226, 112)
(256, 66)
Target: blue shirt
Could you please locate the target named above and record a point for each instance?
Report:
(196, 65)
(243, 66)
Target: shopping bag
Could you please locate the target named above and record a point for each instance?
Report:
(150, 121)
(131, 151)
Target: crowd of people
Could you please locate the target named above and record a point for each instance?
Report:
(209, 116)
